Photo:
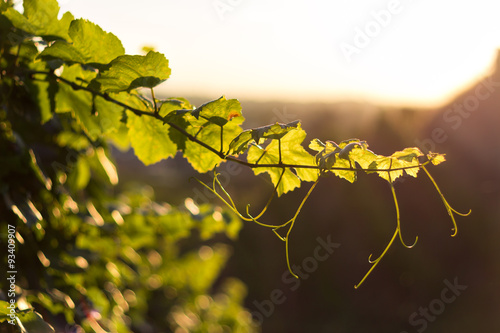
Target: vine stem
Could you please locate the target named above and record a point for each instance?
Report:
(396, 233)
(154, 101)
(449, 209)
(232, 205)
(292, 222)
(279, 152)
(376, 261)
(221, 151)
(268, 202)
(221, 154)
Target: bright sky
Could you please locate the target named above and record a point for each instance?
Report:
(390, 51)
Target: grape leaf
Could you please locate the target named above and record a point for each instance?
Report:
(205, 123)
(201, 158)
(362, 156)
(343, 155)
(292, 152)
(240, 143)
(349, 175)
(173, 104)
(149, 138)
(273, 131)
(33, 322)
(4, 311)
(400, 159)
(347, 146)
(40, 18)
(317, 145)
(327, 153)
(352, 151)
(42, 92)
(129, 72)
(96, 116)
(219, 111)
(436, 158)
(90, 45)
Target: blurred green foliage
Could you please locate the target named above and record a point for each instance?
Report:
(89, 257)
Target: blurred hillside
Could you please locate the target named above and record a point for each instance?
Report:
(361, 218)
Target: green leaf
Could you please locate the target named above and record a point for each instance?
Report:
(436, 158)
(349, 175)
(345, 155)
(200, 158)
(175, 225)
(400, 159)
(336, 156)
(353, 151)
(206, 124)
(4, 6)
(220, 111)
(173, 104)
(42, 92)
(274, 131)
(119, 138)
(149, 138)
(364, 157)
(96, 116)
(347, 146)
(4, 311)
(197, 270)
(80, 175)
(90, 45)
(34, 323)
(240, 143)
(317, 145)
(40, 18)
(292, 152)
(129, 72)
(177, 111)
(326, 157)
(214, 221)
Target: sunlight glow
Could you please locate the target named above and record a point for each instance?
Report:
(411, 52)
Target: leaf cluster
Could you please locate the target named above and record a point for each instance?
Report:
(90, 256)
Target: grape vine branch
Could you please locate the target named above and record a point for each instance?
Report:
(74, 67)
(431, 158)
